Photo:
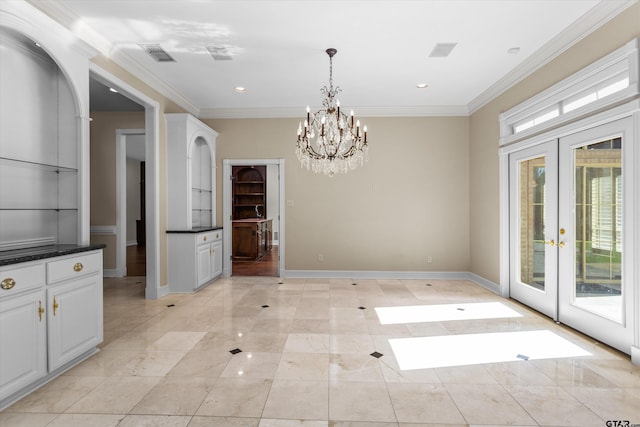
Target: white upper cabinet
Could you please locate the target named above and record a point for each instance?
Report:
(190, 172)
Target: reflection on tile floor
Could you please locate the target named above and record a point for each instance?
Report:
(306, 360)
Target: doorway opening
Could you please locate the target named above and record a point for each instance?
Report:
(253, 229)
(150, 135)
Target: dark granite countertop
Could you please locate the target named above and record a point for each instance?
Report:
(196, 230)
(41, 252)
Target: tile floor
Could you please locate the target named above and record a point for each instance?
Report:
(306, 360)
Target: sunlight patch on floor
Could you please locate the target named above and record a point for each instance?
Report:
(444, 312)
(475, 349)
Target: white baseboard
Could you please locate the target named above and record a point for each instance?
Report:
(103, 229)
(635, 355)
(433, 275)
(113, 272)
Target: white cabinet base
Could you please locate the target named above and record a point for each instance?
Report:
(48, 322)
(195, 259)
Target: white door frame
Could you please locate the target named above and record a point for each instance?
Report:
(546, 300)
(632, 232)
(121, 198)
(616, 333)
(226, 209)
(153, 289)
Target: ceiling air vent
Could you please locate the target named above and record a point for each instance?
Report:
(442, 50)
(157, 52)
(219, 53)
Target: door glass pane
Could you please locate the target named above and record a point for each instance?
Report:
(532, 220)
(598, 222)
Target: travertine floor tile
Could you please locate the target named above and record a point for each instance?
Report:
(360, 401)
(230, 397)
(302, 400)
(116, 395)
(306, 361)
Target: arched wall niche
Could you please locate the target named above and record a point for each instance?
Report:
(57, 140)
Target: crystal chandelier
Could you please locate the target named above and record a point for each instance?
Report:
(329, 141)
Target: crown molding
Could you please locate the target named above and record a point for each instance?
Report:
(288, 113)
(73, 23)
(588, 23)
(150, 79)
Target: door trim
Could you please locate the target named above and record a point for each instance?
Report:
(629, 109)
(226, 210)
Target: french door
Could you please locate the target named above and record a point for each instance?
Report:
(569, 205)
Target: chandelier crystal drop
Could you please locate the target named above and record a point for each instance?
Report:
(330, 141)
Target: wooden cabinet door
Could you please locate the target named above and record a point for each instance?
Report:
(23, 341)
(245, 240)
(74, 316)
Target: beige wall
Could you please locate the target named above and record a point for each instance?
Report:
(410, 201)
(484, 134)
(164, 106)
(430, 188)
(103, 173)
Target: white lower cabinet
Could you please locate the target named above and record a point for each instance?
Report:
(48, 321)
(74, 319)
(195, 259)
(23, 341)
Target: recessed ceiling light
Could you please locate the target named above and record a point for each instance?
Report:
(421, 85)
(113, 90)
(513, 51)
(240, 89)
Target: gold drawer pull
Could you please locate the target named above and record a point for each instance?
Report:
(78, 267)
(205, 238)
(7, 283)
(55, 305)
(40, 310)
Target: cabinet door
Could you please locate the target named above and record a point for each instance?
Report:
(217, 259)
(204, 264)
(23, 342)
(74, 315)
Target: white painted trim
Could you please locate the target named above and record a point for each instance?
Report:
(226, 210)
(297, 113)
(103, 229)
(113, 272)
(152, 169)
(635, 355)
(121, 196)
(624, 59)
(629, 109)
(600, 14)
(397, 275)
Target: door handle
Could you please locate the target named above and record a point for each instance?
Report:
(561, 244)
(550, 242)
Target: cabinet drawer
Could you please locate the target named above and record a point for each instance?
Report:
(74, 267)
(18, 279)
(211, 236)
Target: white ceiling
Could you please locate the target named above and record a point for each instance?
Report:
(278, 49)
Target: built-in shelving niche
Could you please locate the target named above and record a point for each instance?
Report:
(38, 148)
